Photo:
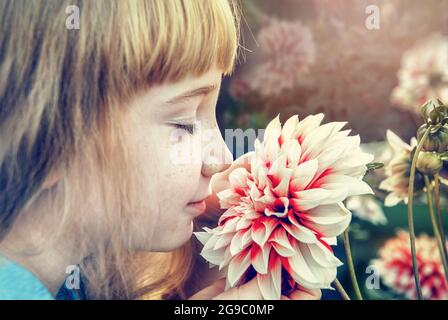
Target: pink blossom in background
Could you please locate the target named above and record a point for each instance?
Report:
(394, 265)
(285, 53)
(423, 74)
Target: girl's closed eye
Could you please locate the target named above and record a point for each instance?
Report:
(191, 128)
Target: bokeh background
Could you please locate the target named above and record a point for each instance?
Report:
(309, 56)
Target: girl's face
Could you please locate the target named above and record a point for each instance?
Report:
(176, 161)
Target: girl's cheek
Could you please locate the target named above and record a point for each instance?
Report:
(184, 149)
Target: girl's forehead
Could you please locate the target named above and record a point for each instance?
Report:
(190, 86)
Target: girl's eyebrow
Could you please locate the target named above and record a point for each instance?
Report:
(201, 91)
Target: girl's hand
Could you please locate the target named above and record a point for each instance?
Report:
(249, 291)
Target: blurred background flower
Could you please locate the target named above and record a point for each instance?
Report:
(397, 171)
(424, 73)
(395, 267)
(367, 208)
(286, 52)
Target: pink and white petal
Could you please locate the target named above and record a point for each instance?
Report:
(353, 185)
(301, 233)
(211, 242)
(273, 129)
(329, 156)
(203, 237)
(271, 224)
(213, 256)
(259, 257)
(292, 150)
(289, 126)
(308, 199)
(259, 233)
(262, 178)
(332, 241)
(325, 275)
(311, 198)
(301, 272)
(354, 165)
(278, 164)
(282, 189)
(307, 125)
(228, 198)
(238, 178)
(270, 283)
(313, 142)
(236, 245)
(258, 149)
(280, 242)
(272, 150)
(304, 174)
(246, 239)
(264, 201)
(226, 259)
(230, 224)
(322, 255)
(230, 213)
(223, 241)
(237, 267)
(329, 220)
(243, 223)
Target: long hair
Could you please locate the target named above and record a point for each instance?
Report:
(62, 92)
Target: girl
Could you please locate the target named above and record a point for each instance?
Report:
(90, 177)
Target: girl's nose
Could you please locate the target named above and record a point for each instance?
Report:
(217, 161)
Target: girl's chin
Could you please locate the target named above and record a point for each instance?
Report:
(168, 242)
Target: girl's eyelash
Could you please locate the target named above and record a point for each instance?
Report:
(190, 128)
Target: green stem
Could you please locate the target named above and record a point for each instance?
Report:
(439, 213)
(440, 244)
(411, 214)
(341, 289)
(351, 266)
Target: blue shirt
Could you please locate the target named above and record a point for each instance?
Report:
(18, 283)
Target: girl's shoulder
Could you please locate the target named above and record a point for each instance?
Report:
(18, 283)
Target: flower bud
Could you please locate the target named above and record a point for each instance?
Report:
(429, 162)
(434, 113)
(437, 139)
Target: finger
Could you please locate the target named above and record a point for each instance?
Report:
(284, 298)
(247, 291)
(309, 294)
(210, 291)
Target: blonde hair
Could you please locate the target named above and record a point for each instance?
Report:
(62, 90)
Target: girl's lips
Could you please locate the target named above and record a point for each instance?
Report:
(198, 207)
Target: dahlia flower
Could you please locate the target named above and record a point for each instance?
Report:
(287, 51)
(423, 74)
(398, 170)
(395, 267)
(284, 212)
